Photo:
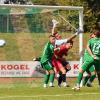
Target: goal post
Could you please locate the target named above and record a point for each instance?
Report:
(81, 36)
(42, 6)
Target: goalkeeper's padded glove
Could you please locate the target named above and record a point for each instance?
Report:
(78, 32)
(54, 22)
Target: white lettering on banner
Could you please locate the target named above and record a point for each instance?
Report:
(30, 69)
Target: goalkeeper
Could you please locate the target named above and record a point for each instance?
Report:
(59, 63)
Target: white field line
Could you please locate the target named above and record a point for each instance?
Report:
(57, 95)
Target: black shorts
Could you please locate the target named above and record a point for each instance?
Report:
(65, 63)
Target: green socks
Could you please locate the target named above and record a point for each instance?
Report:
(46, 78)
(92, 78)
(80, 76)
(89, 79)
(85, 80)
(51, 78)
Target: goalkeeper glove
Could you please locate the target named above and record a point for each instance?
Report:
(54, 22)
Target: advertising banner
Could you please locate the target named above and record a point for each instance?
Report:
(30, 69)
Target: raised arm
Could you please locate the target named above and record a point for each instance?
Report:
(54, 29)
(74, 36)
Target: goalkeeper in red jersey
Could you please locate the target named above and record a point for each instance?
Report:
(60, 63)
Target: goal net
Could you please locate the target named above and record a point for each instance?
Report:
(32, 24)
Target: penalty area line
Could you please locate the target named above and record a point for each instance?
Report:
(57, 95)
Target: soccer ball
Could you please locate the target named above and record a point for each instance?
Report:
(2, 42)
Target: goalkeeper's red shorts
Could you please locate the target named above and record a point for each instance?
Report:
(58, 64)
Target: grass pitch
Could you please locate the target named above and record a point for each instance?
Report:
(34, 91)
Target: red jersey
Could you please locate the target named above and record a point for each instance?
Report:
(63, 50)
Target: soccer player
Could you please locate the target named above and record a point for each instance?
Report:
(93, 58)
(91, 73)
(46, 61)
(60, 41)
(60, 64)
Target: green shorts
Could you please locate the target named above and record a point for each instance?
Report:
(88, 62)
(47, 66)
(97, 65)
(91, 69)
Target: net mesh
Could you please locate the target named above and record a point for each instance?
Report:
(36, 19)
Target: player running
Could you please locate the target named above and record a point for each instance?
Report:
(93, 58)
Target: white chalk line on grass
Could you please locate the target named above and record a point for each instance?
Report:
(57, 95)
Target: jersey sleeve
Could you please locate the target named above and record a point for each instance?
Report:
(89, 42)
(60, 42)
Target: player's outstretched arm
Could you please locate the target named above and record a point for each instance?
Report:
(71, 38)
(74, 36)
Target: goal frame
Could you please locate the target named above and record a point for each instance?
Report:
(78, 8)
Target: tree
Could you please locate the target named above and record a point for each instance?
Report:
(91, 10)
(91, 14)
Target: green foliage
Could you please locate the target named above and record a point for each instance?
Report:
(91, 10)
(91, 14)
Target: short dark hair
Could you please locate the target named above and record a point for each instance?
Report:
(70, 42)
(55, 33)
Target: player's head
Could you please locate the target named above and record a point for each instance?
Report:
(57, 36)
(92, 35)
(97, 32)
(69, 44)
(52, 39)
